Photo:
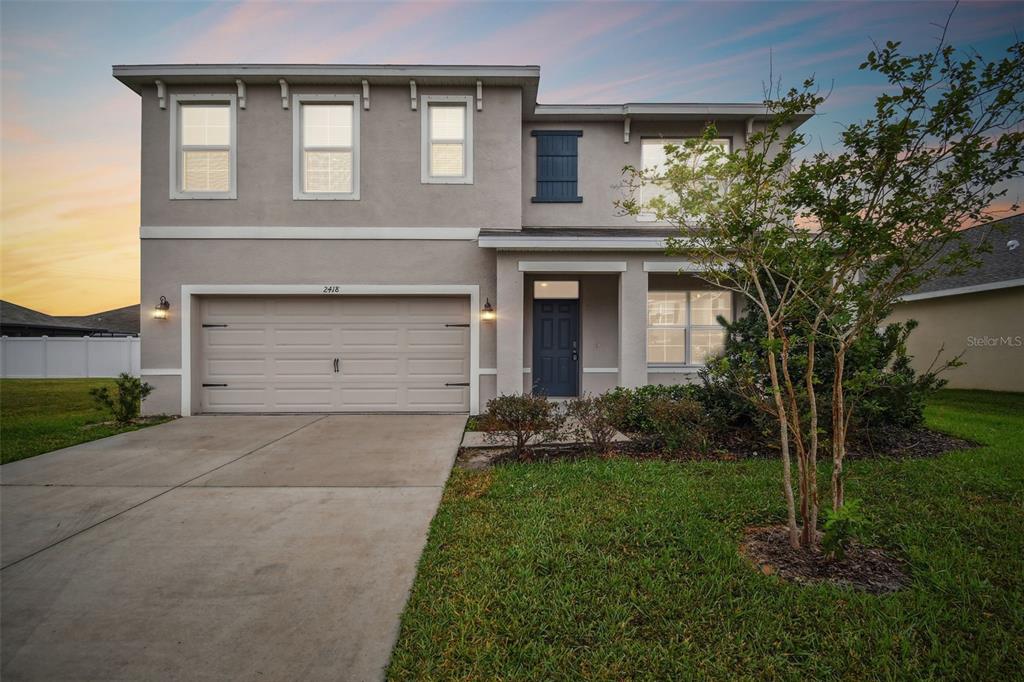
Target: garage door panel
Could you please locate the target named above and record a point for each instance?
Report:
(436, 398)
(238, 337)
(304, 338)
(234, 368)
(437, 367)
(453, 338)
(277, 354)
(371, 367)
(303, 398)
(290, 369)
(354, 339)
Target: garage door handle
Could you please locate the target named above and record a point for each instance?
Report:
(336, 363)
(458, 325)
(207, 326)
(460, 383)
(209, 385)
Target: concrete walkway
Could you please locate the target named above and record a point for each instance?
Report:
(269, 547)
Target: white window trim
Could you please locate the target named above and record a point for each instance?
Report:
(298, 194)
(689, 328)
(651, 217)
(425, 176)
(175, 148)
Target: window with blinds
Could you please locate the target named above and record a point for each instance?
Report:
(447, 139)
(557, 166)
(204, 149)
(327, 148)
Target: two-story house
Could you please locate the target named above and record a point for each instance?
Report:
(405, 238)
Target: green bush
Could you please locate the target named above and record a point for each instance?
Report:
(666, 418)
(125, 403)
(592, 421)
(883, 387)
(679, 425)
(841, 527)
(521, 422)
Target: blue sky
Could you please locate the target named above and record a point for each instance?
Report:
(70, 133)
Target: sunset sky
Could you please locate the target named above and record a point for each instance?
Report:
(70, 132)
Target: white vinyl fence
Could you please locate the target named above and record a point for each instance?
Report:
(42, 357)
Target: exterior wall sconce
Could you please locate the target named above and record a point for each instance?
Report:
(487, 314)
(160, 311)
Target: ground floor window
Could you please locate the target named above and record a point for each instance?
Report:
(683, 328)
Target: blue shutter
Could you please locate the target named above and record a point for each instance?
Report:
(557, 161)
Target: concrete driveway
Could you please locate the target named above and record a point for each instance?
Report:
(264, 547)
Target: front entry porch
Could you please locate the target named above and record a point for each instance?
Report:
(582, 323)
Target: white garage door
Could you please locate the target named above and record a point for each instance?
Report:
(334, 354)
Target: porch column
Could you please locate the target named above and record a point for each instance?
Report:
(509, 308)
(633, 326)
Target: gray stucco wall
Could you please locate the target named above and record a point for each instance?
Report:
(391, 191)
(602, 155)
(167, 264)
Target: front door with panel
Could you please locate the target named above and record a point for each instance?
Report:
(556, 355)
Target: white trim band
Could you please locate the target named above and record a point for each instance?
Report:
(692, 369)
(161, 372)
(573, 243)
(286, 232)
(672, 266)
(571, 266)
(600, 370)
(488, 370)
(991, 286)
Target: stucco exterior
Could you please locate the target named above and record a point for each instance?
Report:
(391, 192)
(266, 240)
(987, 327)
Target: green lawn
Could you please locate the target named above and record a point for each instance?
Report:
(629, 570)
(40, 415)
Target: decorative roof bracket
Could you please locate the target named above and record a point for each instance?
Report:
(625, 130)
(241, 93)
(284, 93)
(479, 96)
(161, 94)
(366, 95)
(412, 95)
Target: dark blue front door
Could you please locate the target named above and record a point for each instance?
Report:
(556, 356)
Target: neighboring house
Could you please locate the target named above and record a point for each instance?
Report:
(979, 313)
(16, 320)
(405, 238)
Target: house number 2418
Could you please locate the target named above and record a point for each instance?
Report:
(332, 289)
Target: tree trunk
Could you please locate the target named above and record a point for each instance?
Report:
(796, 428)
(838, 428)
(812, 450)
(787, 474)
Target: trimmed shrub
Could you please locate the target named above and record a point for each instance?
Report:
(521, 422)
(679, 426)
(841, 528)
(125, 403)
(591, 419)
(664, 418)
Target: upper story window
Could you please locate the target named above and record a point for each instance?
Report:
(682, 326)
(325, 131)
(202, 147)
(653, 160)
(557, 166)
(447, 136)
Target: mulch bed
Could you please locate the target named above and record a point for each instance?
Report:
(863, 568)
(905, 444)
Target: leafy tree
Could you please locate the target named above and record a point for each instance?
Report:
(824, 247)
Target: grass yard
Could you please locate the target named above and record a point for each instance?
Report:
(616, 569)
(40, 415)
